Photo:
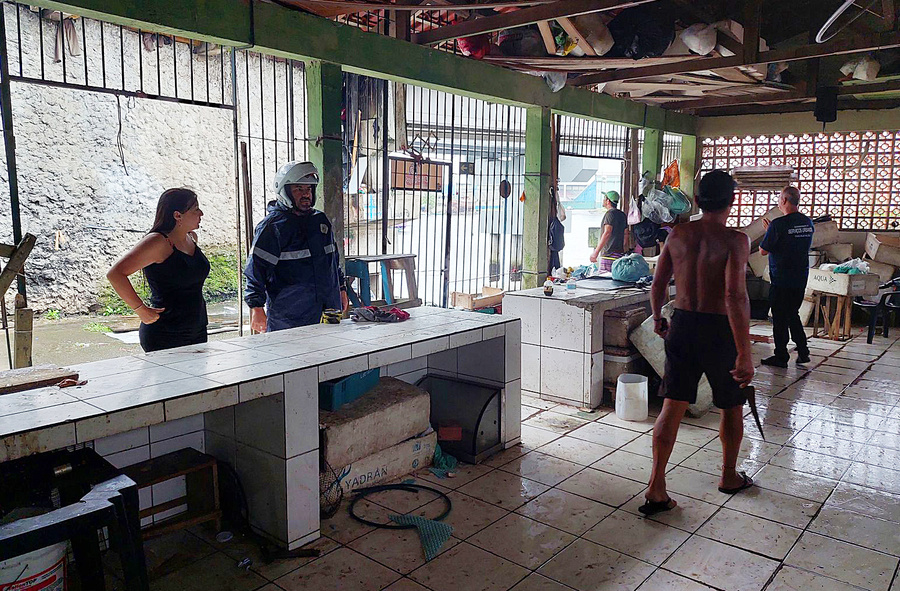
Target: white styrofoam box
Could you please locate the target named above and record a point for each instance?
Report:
(529, 311)
(389, 464)
(260, 424)
(264, 479)
(483, 360)
(531, 367)
(260, 388)
(177, 427)
(122, 441)
(220, 421)
(396, 369)
(593, 376)
(562, 374)
(511, 397)
(302, 496)
(301, 412)
(117, 422)
(161, 448)
(445, 361)
(129, 456)
(562, 325)
(513, 344)
(843, 284)
(221, 448)
(593, 332)
(389, 413)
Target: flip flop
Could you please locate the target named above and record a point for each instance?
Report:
(748, 482)
(653, 507)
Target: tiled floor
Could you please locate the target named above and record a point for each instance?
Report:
(560, 511)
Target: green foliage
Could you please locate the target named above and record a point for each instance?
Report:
(220, 286)
(51, 314)
(96, 327)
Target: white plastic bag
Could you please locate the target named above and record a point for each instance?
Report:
(700, 38)
(656, 207)
(862, 68)
(555, 80)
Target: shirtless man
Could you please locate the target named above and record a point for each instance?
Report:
(709, 332)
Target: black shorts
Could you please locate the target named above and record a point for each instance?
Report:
(697, 344)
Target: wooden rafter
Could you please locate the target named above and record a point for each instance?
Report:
(855, 44)
(869, 88)
(518, 18)
(752, 14)
(796, 107)
(742, 99)
(350, 6)
(576, 64)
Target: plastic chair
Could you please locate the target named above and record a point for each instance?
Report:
(883, 308)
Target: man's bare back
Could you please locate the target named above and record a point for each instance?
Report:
(700, 252)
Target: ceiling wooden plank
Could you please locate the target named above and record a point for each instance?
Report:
(584, 64)
(547, 37)
(742, 99)
(889, 14)
(518, 18)
(351, 6)
(752, 13)
(869, 88)
(843, 105)
(841, 46)
(573, 32)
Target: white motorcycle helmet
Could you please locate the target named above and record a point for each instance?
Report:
(295, 173)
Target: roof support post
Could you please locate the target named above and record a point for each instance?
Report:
(538, 181)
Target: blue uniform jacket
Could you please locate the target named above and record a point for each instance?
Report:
(294, 268)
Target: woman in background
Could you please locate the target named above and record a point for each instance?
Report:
(175, 269)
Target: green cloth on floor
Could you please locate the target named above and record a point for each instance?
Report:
(443, 463)
(433, 534)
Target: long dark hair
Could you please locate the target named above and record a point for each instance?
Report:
(170, 201)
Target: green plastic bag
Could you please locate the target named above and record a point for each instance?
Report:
(630, 268)
(679, 203)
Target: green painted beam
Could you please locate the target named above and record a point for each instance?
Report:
(652, 154)
(277, 30)
(324, 90)
(687, 167)
(538, 159)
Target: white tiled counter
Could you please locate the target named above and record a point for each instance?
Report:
(253, 402)
(562, 339)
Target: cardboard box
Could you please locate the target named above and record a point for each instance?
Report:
(757, 229)
(759, 263)
(884, 248)
(618, 322)
(389, 464)
(615, 365)
(884, 271)
(489, 296)
(391, 412)
(825, 233)
(838, 253)
(842, 284)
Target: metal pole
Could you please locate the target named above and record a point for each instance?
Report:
(237, 185)
(9, 142)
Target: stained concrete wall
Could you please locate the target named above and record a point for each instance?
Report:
(89, 184)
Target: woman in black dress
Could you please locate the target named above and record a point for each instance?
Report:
(175, 269)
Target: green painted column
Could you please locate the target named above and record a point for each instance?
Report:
(652, 154)
(324, 96)
(538, 159)
(687, 166)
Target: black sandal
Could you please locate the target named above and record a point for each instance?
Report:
(653, 507)
(748, 482)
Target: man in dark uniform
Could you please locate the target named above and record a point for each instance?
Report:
(294, 265)
(787, 242)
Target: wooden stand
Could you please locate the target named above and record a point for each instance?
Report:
(835, 312)
(359, 267)
(202, 484)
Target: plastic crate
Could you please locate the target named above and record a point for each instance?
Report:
(335, 393)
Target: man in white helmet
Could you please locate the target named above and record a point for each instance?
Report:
(293, 272)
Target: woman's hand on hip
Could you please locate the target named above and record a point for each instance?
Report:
(149, 315)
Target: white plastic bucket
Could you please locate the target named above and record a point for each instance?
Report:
(631, 397)
(43, 569)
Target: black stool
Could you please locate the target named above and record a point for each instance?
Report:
(91, 495)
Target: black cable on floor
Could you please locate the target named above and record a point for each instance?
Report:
(362, 493)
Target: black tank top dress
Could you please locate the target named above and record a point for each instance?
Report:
(176, 284)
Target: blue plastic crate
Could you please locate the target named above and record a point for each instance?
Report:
(335, 393)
